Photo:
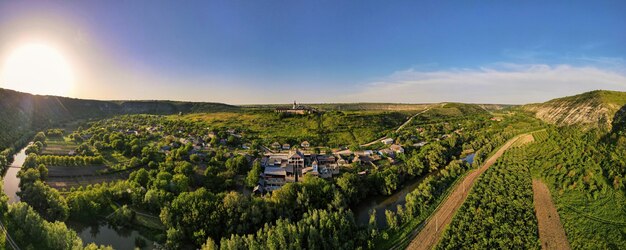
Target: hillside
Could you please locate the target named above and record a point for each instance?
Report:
(592, 109)
(21, 113)
(350, 106)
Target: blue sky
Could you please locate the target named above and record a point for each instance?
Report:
(330, 51)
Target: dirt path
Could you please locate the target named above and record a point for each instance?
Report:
(551, 233)
(429, 235)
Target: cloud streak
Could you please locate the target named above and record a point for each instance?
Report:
(499, 83)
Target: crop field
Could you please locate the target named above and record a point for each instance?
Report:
(523, 141)
(85, 180)
(56, 171)
(540, 136)
(58, 146)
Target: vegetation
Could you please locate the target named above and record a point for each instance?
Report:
(499, 211)
(580, 168)
(332, 129)
(183, 180)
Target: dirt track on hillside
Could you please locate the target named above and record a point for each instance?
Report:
(551, 233)
(431, 232)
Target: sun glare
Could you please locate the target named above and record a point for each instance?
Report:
(37, 68)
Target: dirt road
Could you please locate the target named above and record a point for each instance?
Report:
(431, 232)
(551, 233)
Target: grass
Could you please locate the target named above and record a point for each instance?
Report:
(332, 128)
(149, 222)
(113, 159)
(592, 223)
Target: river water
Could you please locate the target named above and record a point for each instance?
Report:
(11, 181)
(100, 232)
(381, 203)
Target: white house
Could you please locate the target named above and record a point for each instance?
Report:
(387, 141)
(397, 148)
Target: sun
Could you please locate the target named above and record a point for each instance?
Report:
(37, 68)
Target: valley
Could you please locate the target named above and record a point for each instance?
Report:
(377, 177)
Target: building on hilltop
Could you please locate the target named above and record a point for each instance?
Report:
(296, 109)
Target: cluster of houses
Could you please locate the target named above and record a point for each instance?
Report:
(287, 146)
(282, 168)
(199, 143)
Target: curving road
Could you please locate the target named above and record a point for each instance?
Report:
(429, 235)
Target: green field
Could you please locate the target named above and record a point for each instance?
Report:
(326, 129)
(58, 146)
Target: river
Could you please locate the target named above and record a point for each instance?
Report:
(11, 181)
(100, 232)
(381, 203)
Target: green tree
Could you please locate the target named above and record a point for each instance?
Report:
(253, 175)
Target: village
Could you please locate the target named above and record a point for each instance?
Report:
(289, 164)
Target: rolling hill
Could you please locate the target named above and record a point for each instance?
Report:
(21, 113)
(598, 108)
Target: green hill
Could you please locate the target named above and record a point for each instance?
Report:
(591, 109)
(22, 113)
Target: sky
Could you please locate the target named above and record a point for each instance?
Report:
(247, 52)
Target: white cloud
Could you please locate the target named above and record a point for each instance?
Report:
(498, 83)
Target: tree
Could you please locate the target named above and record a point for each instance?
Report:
(209, 245)
(392, 220)
(194, 158)
(141, 176)
(40, 137)
(193, 216)
(253, 175)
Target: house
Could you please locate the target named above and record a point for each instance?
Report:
(496, 118)
(387, 141)
(397, 148)
(318, 170)
(305, 144)
(420, 144)
(341, 161)
(286, 146)
(295, 164)
(389, 152)
(245, 146)
(375, 157)
(365, 152)
(274, 178)
(361, 159)
(276, 145)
